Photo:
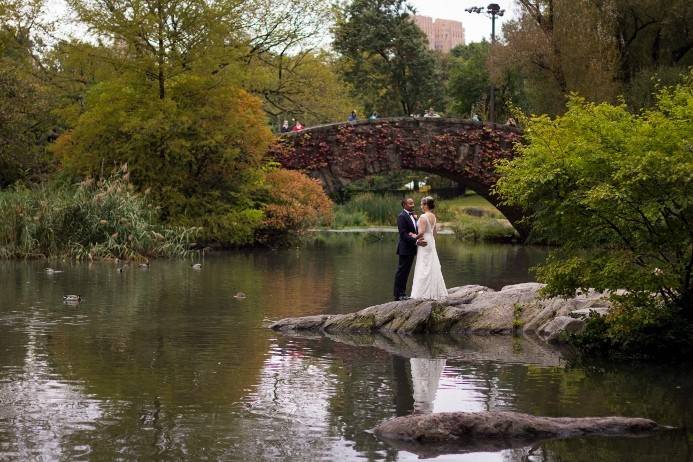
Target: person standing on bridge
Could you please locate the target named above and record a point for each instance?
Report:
(353, 117)
(297, 127)
(431, 113)
(285, 127)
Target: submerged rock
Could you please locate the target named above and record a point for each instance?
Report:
(469, 309)
(443, 432)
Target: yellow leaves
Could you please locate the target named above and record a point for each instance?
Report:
(62, 144)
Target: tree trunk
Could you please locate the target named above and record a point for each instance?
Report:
(161, 52)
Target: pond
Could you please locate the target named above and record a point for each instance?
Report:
(165, 364)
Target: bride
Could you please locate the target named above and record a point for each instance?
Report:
(428, 277)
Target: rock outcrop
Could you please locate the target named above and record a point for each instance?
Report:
(468, 309)
(443, 432)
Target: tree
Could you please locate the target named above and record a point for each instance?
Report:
(162, 39)
(614, 191)
(389, 66)
(73, 68)
(304, 86)
(25, 119)
(199, 150)
(558, 46)
(469, 82)
(175, 113)
(597, 48)
(173, 99)
(654, 44)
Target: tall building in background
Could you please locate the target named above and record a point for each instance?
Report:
(443, 34)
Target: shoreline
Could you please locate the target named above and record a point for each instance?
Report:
(370, 229)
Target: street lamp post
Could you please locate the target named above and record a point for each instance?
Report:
(492, 10)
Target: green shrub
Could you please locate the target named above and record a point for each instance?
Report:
(637, 327)
(469, 204)
(469, 228)
(103, 219)
(226, 228)
(344, 218)
(614, 191)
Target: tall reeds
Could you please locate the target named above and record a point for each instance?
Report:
(90, 220)
(378, 209)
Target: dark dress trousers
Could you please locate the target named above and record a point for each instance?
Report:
(406, 249)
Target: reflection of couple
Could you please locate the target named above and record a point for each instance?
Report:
(417, 239)
(425, 376)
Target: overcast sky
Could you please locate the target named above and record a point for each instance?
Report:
(477, 26)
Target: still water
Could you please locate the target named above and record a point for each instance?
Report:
(165, 364)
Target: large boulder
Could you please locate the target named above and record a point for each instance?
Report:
(469, 309)
(495, 430)
(555, 330)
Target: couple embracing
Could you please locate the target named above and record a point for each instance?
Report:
(417, 239)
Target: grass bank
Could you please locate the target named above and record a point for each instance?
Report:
(89, 220)
(471, 217)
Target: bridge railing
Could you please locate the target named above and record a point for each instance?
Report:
(395, 120)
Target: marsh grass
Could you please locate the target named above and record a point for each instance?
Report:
(344, 219)
(377, 209)
(90, 220)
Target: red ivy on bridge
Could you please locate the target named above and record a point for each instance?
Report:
(457, 149)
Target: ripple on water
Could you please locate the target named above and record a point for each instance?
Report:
(162, 365)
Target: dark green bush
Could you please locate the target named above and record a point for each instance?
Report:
(640, 328)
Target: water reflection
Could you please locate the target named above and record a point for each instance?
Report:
(39, 405)
(478, 385)
(425, 376)
(165, 364)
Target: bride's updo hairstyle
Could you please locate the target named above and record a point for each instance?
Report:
(429, 201)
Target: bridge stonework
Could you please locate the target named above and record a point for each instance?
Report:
(461, 150)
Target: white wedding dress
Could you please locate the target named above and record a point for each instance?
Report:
(428, 278)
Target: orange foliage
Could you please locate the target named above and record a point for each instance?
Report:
(296, 203)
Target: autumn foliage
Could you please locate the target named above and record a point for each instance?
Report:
(296, 203)
(356, 151)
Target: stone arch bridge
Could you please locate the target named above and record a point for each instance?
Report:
(461, 150)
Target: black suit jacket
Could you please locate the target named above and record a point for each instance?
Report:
(406, 244)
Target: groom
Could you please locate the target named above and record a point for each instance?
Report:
(406, 247)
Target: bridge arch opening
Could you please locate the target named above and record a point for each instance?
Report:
(375, 201)
(463, 151)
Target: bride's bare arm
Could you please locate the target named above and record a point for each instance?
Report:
(422, 227)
